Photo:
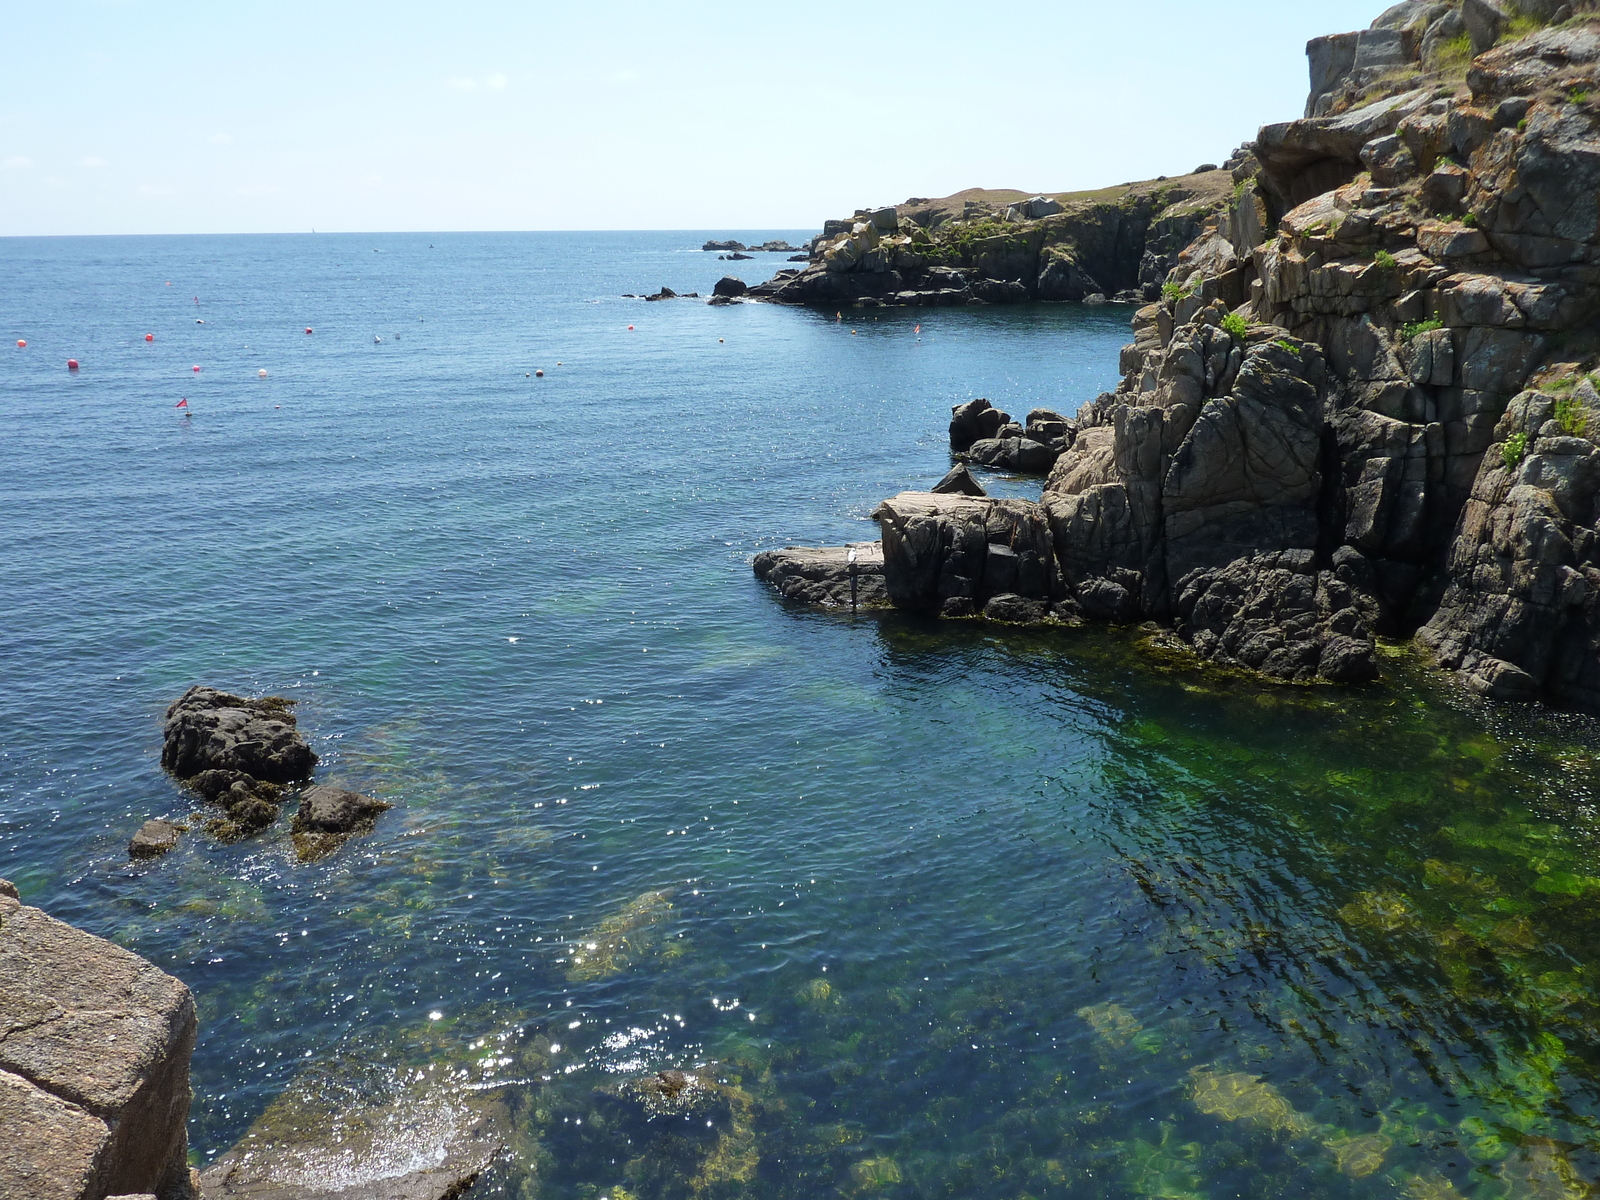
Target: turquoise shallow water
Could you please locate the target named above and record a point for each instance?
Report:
(949, 911)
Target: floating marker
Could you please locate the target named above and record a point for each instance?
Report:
(198, 321)
(184, 403)
(195, 368)
(21, 343)
(72, 364)
(630, 328)
(308, 329)
(262, 373)
(719, 341)
(540, 374)
(149, 337)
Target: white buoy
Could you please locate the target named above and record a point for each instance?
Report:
(262, 373)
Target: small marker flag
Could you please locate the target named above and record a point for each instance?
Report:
(918, 329)
(184, 403)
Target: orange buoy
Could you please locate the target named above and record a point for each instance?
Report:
(21, 343)
(630, 328)
(72, 364)
(195, 368)
(539, 374)
(149, 337)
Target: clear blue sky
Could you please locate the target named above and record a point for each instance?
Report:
(122, 116)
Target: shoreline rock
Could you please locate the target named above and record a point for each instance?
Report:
(1363, 400)
(821, 575)
(94, 1065)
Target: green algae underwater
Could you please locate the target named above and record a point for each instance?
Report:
(1300, 941)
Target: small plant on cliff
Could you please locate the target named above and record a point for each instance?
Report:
(1513, 449)
(1289, 346)
(1470, 220)
(1385, 261)
(1235, 326)
(1413, 328)
(1171, 292)
(1578, 95)
(1522, 125)
(1570, 416)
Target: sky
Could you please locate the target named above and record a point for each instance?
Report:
(123, 116)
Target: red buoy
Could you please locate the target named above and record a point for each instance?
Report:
(149, 337)
(630, 328)
(195, 368)
(21, 343)
(540, 374)
(72, 364)
(308, 329)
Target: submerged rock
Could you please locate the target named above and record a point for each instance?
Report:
(94, 1065)
(328, 816)
(336, 1137)
(155, 838)
(822, 574)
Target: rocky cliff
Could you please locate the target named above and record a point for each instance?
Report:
(94, 1065)
(983, 247)
(1361, 402)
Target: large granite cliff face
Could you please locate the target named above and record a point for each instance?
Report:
(1363, 402)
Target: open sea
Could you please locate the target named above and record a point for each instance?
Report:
(933, 909)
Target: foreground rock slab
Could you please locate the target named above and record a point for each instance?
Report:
(339, 1139)
(821, 574)
(94, 1065)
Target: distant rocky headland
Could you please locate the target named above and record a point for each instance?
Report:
(1362, 397)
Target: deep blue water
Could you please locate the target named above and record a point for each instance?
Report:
(1005, 914)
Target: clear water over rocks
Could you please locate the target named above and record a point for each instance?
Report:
(708, 895)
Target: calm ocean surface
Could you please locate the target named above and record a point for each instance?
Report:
(948, 910)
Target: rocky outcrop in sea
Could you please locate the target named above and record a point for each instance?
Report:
(1004, 248)
(1364, 399)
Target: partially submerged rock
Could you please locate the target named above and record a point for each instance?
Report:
(822, 574)
(328, 816)
(94, 1065)
(958, 481)
(329, 1137)
(236, 752)
(155, 838)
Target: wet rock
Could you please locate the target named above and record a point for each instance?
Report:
(328, 816)
(360, 1136)
(959, 481)
(94, 1064)
(155, 838)
(1016, 610)
(821, 574)
(1277, 615)
(236, 753)
(665, 293)
(729, 286)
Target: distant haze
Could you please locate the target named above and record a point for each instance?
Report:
(124, 117)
